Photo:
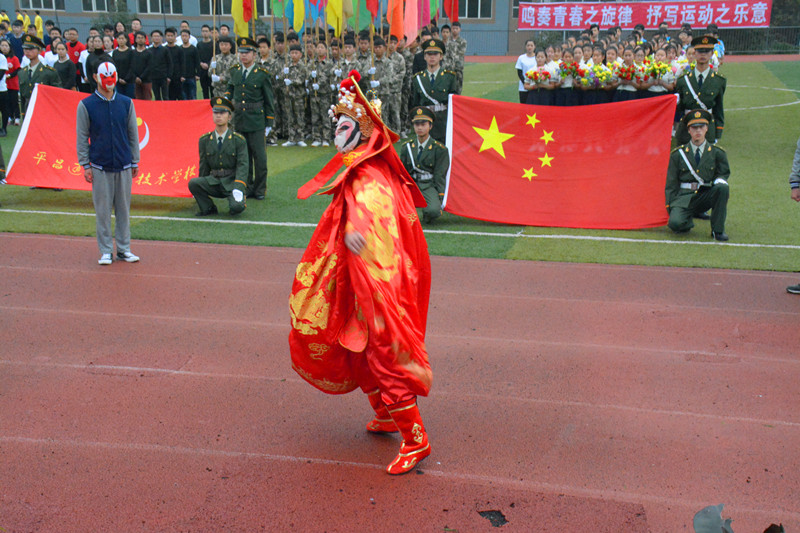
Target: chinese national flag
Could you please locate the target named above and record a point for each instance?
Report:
(600, 166)
(169, 156)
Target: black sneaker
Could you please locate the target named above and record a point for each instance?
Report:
(793, 289)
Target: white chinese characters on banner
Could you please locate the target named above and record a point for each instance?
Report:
(578, 16)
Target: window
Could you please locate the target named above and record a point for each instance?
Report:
(264, 7)
(174, 7)
(515, 9)
(475, 9)
(95, 5)
(42, 4)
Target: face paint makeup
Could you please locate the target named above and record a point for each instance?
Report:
(347, 135)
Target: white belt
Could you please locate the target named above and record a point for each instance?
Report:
(692, 186)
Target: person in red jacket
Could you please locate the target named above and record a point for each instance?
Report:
(359, 300)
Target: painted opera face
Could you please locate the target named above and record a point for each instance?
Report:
(348, 135)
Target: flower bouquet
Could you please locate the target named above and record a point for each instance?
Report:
(658, 69)
(538, 76)
(584, 76)
(567, 69)
(626, 73)
(602, 75)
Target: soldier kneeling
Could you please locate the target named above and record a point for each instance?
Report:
(427, 161)
(223, 164)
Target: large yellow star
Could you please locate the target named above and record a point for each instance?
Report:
(528, 174)
(493, 138)
(533, 121)
(546, 160)
(547, 137)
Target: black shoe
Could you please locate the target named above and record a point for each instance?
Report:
(722, 236)
(258, 196)
(211, 211)
(794, 289)
(703, 216)
(3, 133)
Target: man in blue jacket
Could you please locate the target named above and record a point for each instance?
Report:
(108, 151)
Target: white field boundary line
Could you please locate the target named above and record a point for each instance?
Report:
(516, 235)
(575, 404)
(538, 486)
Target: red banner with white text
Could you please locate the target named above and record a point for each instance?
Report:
(600, 166)
(46, 154)
(581, 15)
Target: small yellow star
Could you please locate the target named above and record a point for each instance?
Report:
(528, 174)
(493, 138)
(547, 137)
(533, 121)
(546, 160)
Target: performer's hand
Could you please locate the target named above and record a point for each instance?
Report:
(355, 242)
(87, 174)
(796, 195)
(134, 171)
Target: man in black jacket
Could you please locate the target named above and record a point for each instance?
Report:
(190, 67)
(176, 57)
(140, 67)
(160, 66)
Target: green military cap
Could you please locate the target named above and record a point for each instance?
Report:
(433, 46)
(421, 114)
(245, 44)
(697, 117)
(220, 103)
(706, 42)
(31, 41)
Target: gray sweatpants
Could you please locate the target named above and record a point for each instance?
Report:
(112, 190)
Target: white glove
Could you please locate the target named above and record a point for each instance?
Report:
(266, 131)
(237, 195)
(213, 64)
(277, 77)
(371, 71)
(333, 87)
(287, 81)
(215, 78)
(307, 91)
(338, 72)
(313, 73)
(286, 70)
(374, 84)
(315, 86)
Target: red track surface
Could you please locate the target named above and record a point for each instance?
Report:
(158, 397)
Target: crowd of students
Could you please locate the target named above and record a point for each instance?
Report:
(591, 69)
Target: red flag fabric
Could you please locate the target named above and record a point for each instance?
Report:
(372, 7)
(247, 10)
(451, 9)
(600, 166)
(168, 152)
(411, 20)
(394, 15)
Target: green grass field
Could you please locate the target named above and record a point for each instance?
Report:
(761, 132)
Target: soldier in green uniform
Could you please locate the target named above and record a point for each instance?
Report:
(36, 71)
(427, 160)
(223, 164)
(431, 87)
(250, 90)
(697, 179)
(702, 88)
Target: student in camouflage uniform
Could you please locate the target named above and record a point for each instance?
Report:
(322, 86)
(427, 161)
(432, 87)
(454, 57)
(281, 119)
(223, 164)
(408, 55)
(250, 90)
(391, 107)
(221, 65)
(350, 61)
(383, 74)
(267, 61)
(36, 71)
(295, 81)
(364, 57)
(309, 57)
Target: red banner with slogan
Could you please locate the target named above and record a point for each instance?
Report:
(46, 155)
(581, 15)
(599, 166)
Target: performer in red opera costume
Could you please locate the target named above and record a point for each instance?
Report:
(359, 300)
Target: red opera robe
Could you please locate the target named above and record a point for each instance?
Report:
(359, 320)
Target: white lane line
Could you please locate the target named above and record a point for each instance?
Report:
(538, 486)
(460, 394)
(516, 234)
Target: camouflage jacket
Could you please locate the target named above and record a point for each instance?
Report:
(325, 76)
(298, 74)
(223, 68)
(454, 56)
(398, 73)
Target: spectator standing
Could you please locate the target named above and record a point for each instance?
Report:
(160, 66)
(3, 96)
(205, 52)
(140, 68)
(64, 67)
(15, 38)
(11, 111)
(525, 62)
(98, 56)
(190, 67)
(174, 88)
(123, 59)
(108, 151)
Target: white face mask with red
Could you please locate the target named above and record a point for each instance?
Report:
(348, 135)
(107, 76)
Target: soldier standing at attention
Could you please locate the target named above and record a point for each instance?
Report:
(394, 87)
(36, 71)
(383, 72)
(457, 49)
(250, 90)
(223, 164)
(221, 65)
(702, 88)
(295, 82)
(432, 86)
(427, 161)
(697, 179)
(322, 86)
(281, 120)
